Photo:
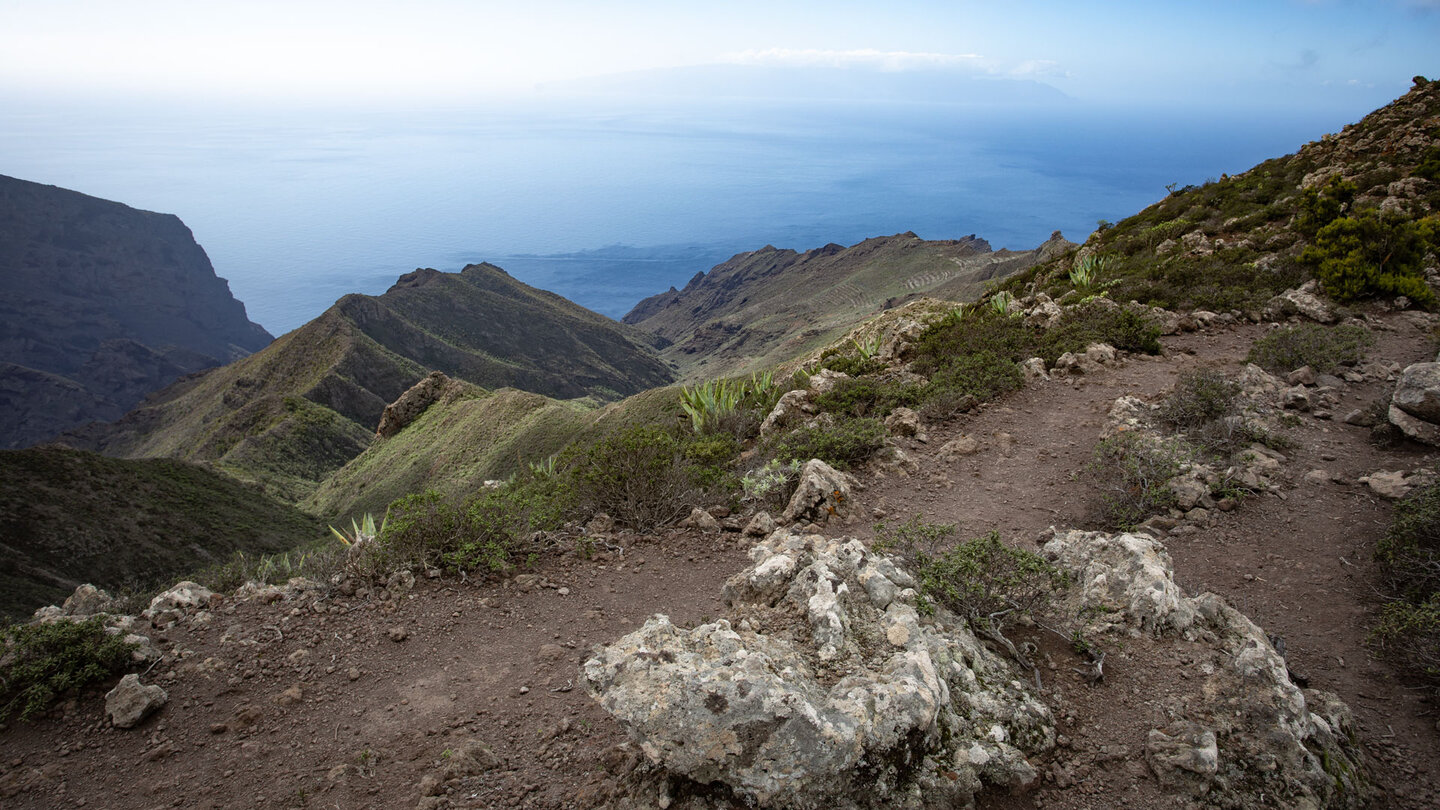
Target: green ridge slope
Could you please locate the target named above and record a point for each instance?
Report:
(68, 517)
(763, 308)
(289, 416)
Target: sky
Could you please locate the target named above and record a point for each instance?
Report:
(1220, 52)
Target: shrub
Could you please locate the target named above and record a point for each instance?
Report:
(771, 483)
(1410, 549)
(867, 397)
(849, 440)
(41, 662)
(500, 522)
(1200, 397)
(1408, 630)
(1322, 206)
(1100, 322)
(639, 476)
(981, 579)
(419, 530)
(1371, 255)
(1322, 348)
(1133, 476)
(967, 379)
(1410, 634)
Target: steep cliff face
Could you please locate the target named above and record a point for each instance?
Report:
(101, 304)
(770, 305)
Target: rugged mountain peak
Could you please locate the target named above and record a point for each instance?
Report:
(78, 273)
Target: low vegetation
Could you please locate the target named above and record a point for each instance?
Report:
(44, 662)
(1408, 630)
(981, 579)
(1326, 349)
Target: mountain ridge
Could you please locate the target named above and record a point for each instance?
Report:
(324, 386)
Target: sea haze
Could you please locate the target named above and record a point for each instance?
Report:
(607, 204)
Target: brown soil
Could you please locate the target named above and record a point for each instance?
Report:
(479, 703)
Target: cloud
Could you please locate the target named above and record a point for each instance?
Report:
(890, 61)
(1039, 69)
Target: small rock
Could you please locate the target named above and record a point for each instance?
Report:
(353, 673)
(1304, 375)
(702, 520)
(760, 525)
(130, 701)
(398, 633)
(958, 447)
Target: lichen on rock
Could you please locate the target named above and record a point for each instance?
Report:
(844, 699)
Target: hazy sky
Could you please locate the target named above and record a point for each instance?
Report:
(1222, 51)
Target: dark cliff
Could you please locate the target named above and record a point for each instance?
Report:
(101, 304)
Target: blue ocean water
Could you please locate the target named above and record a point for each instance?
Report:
(607, 205)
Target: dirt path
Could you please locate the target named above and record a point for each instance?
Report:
(1299, 564)
(363, 701)
(316, 704)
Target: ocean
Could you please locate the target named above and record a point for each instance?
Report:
(606, 204)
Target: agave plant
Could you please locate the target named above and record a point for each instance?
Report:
(710, 402)
(1002, 302)
(360, 532)
(1087, 271)
(869, 348)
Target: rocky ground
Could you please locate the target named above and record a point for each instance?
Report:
(466, 694)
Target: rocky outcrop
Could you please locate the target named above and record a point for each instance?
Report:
(1250, 731)
(1415, 405)
(848, 700)
(412, 403)
(823, 492)
(117, 301)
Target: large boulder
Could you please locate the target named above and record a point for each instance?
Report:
(1418, 392)
(1303, 301)
(823, 492)
(1251, 735)
(845, 700)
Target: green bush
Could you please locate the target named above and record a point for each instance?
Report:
(1371, 255)
(500, 522)
(981, 579)
(1133, 475)
(41, 662)
(1410, 634)
(1324, 349)
(639, 477)
(851, 364)
(1410, 549)
(420, 529)
(1100, 322)
(1322, 206)
(1200, 397)
(968, 379)
(867, 396)
(1408, 630)
(849, 440)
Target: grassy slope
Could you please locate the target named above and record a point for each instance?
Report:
(1249, 218)
(475, 436)
(68, 517)
(760, 309)
(289, 416)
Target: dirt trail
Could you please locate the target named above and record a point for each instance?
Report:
(481, 683)
(1299, 563)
